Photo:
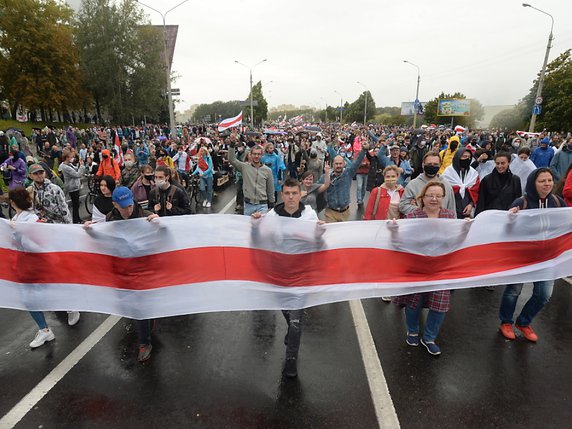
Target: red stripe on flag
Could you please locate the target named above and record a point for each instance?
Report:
(336, 266)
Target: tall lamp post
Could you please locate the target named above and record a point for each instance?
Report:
(326, 109)
(365, 107)
(415, 107)
(341, 106)
(172, 124)
(251, 100)
(536, 109)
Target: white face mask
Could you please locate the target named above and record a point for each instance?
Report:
(129, 164)
(162, 184)
(72, 160)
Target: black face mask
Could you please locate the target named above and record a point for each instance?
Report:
(465, 163)
(149, 177)
(431, 170)
(453, 146)
(105, 156)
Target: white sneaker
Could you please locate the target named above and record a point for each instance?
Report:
(73, 317)
(41, 337)
(208, 205)
(204, 203)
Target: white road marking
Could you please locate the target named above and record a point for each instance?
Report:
(37, 393)
(382, 402)
(28, 402)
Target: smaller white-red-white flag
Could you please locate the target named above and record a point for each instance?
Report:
(225, 124)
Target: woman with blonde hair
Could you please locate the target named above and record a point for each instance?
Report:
(383, 202)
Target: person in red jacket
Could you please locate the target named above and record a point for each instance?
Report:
(567, 190)
(383, 202)
(109, 167)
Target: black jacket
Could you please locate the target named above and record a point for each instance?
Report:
(497, 192)
(531, 199)
(175, 195)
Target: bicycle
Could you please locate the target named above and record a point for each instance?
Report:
(93, 190)
(193, 189)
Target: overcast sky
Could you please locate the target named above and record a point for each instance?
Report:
(490, 50)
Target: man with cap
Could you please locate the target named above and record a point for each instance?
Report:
(50, 205)
(49, 200)
(125, 208)
(395, 159)
(543, 154)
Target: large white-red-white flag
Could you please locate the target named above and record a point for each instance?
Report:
(205, 263)
(225, 124)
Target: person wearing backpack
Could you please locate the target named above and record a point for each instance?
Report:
(108, 167)
(538, 195)
(166, 199)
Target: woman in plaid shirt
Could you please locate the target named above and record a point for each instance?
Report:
(430, 206)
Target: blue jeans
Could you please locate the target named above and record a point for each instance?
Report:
(432, 324)
(541, 294)
(253, 208)
(361, 185)
(206, 188)
(39, 318)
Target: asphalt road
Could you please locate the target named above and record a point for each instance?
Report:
(223, 370)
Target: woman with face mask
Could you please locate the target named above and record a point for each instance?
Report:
(465, 182)
(14, 170)
(143, 185)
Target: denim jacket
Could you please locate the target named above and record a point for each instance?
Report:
(338, 193)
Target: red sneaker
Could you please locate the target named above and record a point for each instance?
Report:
(506, 331)
(528, 333)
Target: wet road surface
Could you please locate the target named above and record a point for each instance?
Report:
(224, 369)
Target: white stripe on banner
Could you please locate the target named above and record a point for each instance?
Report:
(208, 263)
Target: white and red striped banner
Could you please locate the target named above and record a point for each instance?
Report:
(206, 263)
(225, 124)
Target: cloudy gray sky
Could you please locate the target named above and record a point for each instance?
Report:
(490, 50)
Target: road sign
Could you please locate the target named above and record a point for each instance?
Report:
(536, 109)
(175, 91)
(539, 100)
(247, 103)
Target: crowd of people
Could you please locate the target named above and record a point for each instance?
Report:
(307, 173)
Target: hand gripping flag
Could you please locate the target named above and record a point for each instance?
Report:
(225, 124)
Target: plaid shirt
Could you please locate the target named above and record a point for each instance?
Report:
(439, 300)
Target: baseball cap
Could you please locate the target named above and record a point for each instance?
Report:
(30, 159)
(122, 196)
(34, 168)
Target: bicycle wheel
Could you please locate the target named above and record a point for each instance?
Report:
(89, 200)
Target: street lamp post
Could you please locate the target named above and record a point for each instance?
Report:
(341, 106)
(365, 107)
(251, 100)
(326, 110)
(543, 71)
(416, 92)
(172, 124)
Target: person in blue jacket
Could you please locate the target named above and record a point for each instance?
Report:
(543, 154)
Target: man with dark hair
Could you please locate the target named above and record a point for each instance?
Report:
(166, 199)
(499, 188)
(293, 208)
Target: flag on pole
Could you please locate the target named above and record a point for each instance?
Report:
(225, 124)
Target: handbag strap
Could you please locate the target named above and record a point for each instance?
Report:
(376, 201)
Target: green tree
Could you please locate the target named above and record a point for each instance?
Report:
(556, 111)
(430, 112)
(217, 110)
(38, 58)
(120, 59)
(508, 118)
(260, 110)
(356, 109)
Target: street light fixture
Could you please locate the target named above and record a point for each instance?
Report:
(415, 105)
(365, 107)
(251, 100)
(341, 106)
(172, 124)
(543, 71)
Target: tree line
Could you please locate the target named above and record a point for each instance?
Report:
(103, 63)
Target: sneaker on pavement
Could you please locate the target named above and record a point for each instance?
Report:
(431, 347)
(73, 317)
(290, 369)
(528, 333)
(412, 339)
(506, 331)
(42, 337)
(208, 204)
(204, 203)
(144, 352)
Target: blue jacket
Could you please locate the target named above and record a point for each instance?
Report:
(384, 160)
(338, 194)
(209, 171)
(542, 156)
(276, 164)
(560, 162)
